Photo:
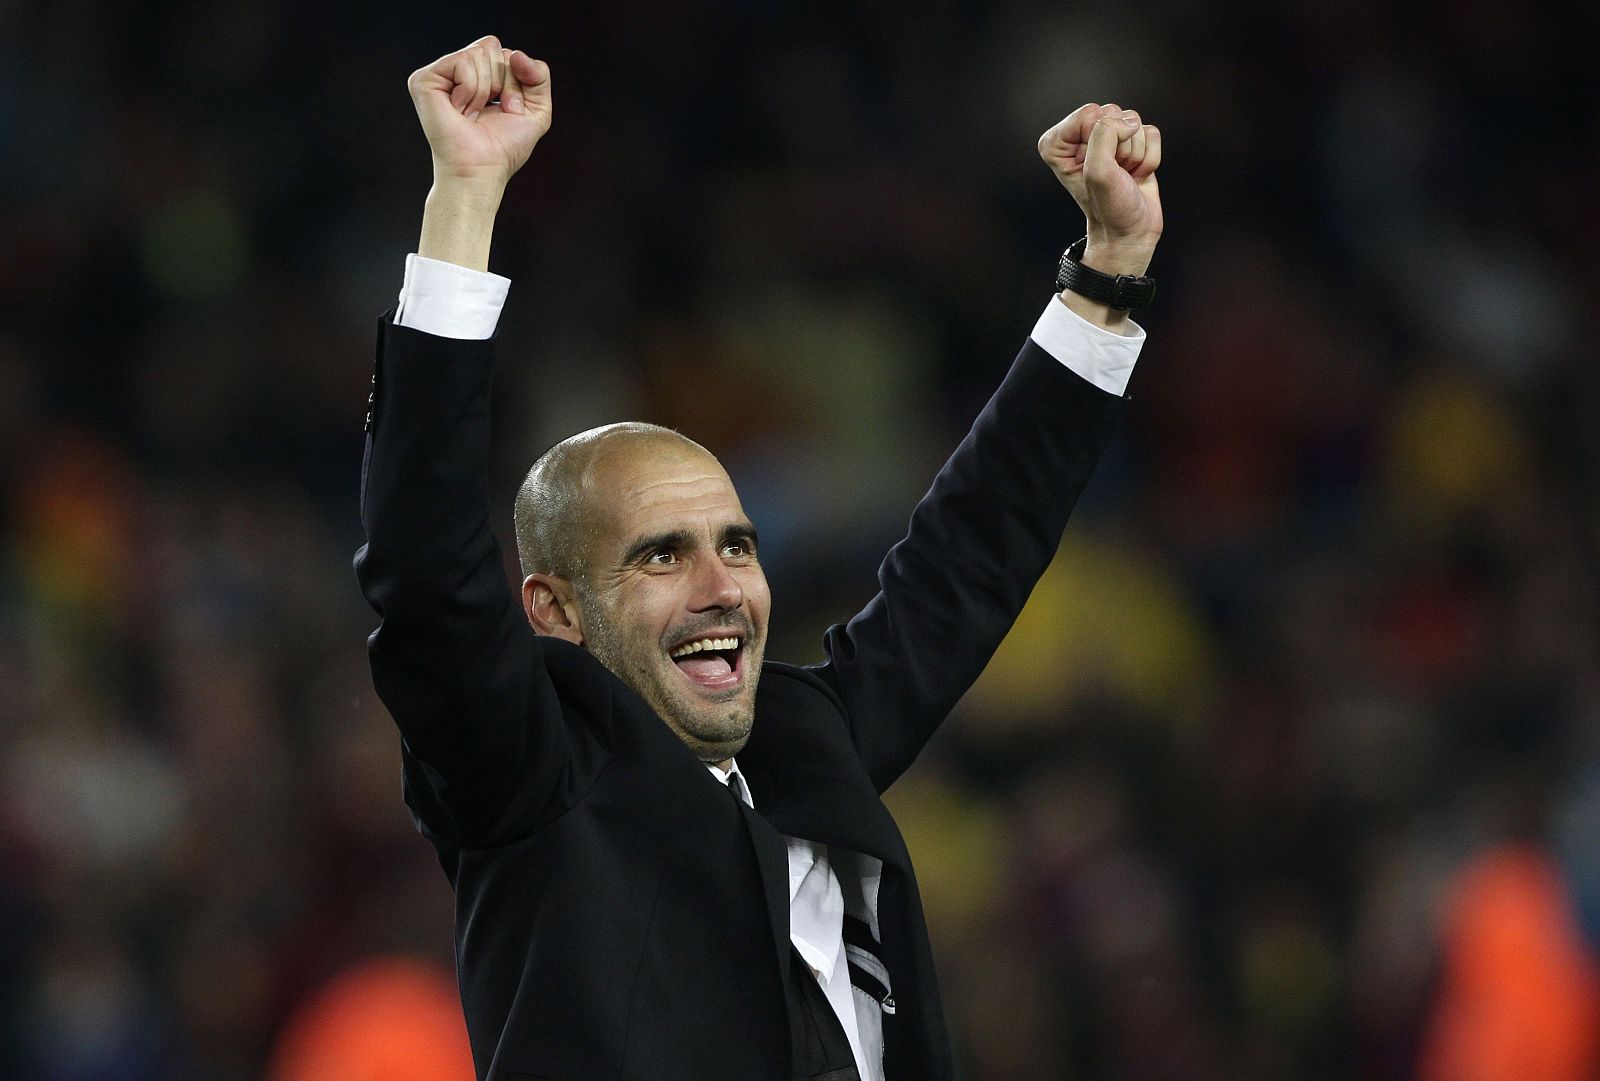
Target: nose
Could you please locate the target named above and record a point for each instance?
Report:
(716, 587)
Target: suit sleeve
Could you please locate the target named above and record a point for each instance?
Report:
(452, 658)
(977, 543)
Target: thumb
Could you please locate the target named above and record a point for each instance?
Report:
(533, 75)
(1100, 157)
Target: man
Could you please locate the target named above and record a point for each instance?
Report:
(669, 855)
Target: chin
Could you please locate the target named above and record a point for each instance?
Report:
(717, 752)
(714, 739)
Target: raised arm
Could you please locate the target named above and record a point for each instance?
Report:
(992, 521)
(453, 658)
(483, 109)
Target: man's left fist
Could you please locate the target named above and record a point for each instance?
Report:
(1107, 158)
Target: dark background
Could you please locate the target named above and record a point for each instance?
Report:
(1320, 648)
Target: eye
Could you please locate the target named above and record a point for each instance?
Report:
(738, 549)
(662, 557)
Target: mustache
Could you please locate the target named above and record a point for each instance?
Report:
(708, 627)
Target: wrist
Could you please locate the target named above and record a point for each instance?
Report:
(467, 193)
(1104, 299)
(458, 225)
(1119, 255)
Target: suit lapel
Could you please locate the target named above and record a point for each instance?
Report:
(806, 777)
(772, 857)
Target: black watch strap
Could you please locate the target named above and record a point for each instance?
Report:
(1123, 291)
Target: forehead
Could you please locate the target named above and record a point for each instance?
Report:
(644, 487)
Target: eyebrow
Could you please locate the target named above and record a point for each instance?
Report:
(682, 538)
(671, 538)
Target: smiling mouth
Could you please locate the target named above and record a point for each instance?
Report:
(715, 662)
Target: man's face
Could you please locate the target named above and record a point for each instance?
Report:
(675, 601)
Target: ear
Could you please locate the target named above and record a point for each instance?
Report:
(552, 607)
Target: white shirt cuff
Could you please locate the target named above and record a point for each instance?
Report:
(1102, 357)
(450, 301)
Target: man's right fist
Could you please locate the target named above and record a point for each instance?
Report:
(482, 109)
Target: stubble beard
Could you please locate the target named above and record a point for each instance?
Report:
(714, 731)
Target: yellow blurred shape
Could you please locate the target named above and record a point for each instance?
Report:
(1452, 445)
(1102, 619)
(957, 844)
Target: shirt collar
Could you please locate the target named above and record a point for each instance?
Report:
(738, 782)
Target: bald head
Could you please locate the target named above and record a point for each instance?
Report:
(557, 508)
(634, 547)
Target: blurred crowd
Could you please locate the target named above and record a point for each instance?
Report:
(1291, 769)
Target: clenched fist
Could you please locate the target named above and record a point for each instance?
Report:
(1107, 158)
(483, 109)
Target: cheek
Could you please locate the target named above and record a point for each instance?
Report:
(757, 596)
(647, 610)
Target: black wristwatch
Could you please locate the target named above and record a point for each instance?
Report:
(1122, 291)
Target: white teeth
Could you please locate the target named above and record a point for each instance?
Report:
(703, 644)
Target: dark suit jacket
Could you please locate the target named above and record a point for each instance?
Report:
(617, 916)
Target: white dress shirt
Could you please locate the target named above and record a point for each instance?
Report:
(454, 302)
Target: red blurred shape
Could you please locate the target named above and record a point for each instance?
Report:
(388, 1019)
(1520, 994)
